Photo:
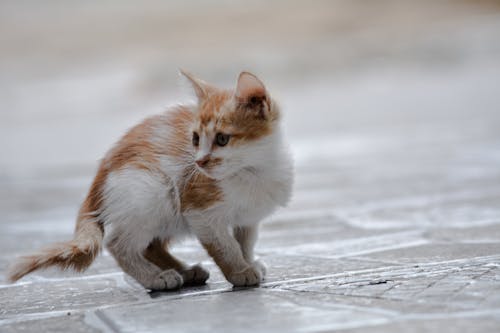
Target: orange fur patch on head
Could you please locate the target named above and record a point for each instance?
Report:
(254, 115)
(248, 124)
(244, 121)
(247, 113)
(211, 105)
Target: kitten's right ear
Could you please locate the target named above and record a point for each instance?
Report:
(201, 88)
(251, 94)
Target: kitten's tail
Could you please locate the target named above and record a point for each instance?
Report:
(76, 254)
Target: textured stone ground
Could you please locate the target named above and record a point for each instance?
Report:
(393, 113)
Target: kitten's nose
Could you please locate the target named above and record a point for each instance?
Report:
(202, 162)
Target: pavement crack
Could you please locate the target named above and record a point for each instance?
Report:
(100, 320)
(383, 281)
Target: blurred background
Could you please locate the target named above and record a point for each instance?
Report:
(393, 94)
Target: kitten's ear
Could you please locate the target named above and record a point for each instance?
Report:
(200, 87)
(251, 94)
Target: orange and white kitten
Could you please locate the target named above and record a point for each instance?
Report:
(214, 169)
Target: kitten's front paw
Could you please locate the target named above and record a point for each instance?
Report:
(260, 267)
(195, 275)
(246, 278)
(166, 280)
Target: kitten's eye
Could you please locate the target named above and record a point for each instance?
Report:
(196, 139)
(222, 139)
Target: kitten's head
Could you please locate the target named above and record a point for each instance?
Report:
(233, 129)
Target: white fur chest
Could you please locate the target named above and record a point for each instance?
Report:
(254, 194)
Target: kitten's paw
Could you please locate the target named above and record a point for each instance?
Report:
(246, 278)
(167, 280)
(195, 275)
(260, 267)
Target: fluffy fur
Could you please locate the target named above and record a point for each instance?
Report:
(213, 169)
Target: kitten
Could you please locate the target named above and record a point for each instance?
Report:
(213, 169)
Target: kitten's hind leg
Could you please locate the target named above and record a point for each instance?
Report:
(134, 263)
(246, 236)
(158, 254)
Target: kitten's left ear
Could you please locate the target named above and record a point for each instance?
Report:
(201, 88)
(251, 94)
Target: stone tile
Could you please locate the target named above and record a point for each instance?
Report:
(258, 310)
(479, 323)
(355, 246)
(477, 234)
(66, 323)
(452, 286)
(466, 208)
(288, 231)
(435, 252)
(412, 194)
(282, 268)
(66, 294)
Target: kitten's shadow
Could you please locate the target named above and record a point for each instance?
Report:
(208, 288)
(184, 290)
